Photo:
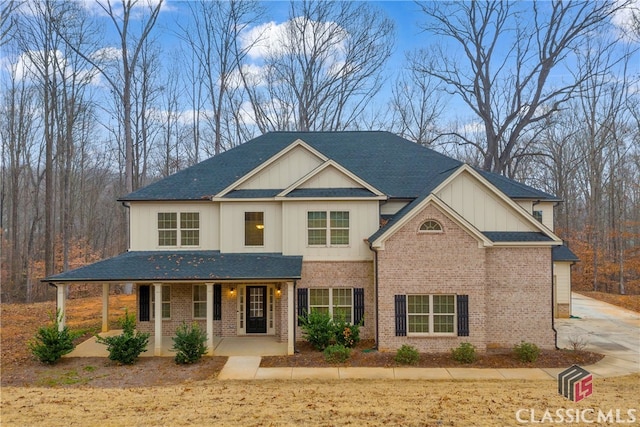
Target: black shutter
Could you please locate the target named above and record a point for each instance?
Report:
(143, 302)
(401, 315)
(303, 298)
(463, 315)
(217, 302)
(358, 305)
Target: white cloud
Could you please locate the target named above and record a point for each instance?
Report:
(623, 19)
(275, 39)
(107, 54)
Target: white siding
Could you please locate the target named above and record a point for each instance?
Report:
(283, 172)
(232, 226)
(547, 213)
(391, 207)
(330, 177)
(363, 222)
(482, 208)
(144, 224)
(562, 273)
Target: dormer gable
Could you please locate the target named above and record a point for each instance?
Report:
(281, 170)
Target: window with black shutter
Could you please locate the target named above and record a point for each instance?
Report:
(401, 315)
(303, 298)
(217, 302)
(144, 302)
(358, 306)
(463, 315)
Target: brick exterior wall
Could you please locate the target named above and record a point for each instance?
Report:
(509, 289)
(341, 274)
(431, 263)
(519, 304)
(182, 310)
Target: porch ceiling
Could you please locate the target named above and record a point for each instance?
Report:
(138, 266)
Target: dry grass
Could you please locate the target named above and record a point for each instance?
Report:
(340, 402)
(630, 302)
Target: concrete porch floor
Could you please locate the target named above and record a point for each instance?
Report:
(227, 346)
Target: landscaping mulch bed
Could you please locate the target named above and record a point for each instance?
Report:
(364, 355)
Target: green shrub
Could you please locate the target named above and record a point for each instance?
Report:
(465, 353)
(50, 344)
(127, 347)
(407, 355)
(318, 329)
(346, 334)
(189, 343)
(526, 352)
(336, 353)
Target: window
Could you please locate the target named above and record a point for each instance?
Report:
(431, 314)
(431, 226)
(168, 229)
(537, 215)
(199, 301)
(166, 302)
(254, 228)
(336, 232)
(337, 302)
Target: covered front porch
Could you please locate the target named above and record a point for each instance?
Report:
(154, 270)
(228, 346)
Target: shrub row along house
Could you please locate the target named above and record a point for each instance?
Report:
(422, 249)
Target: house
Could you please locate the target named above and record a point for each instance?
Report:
(419, 247)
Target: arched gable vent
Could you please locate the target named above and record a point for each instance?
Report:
(431, 226)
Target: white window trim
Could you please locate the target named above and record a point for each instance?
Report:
(431, 315)
(327, 229)
(431, 231)
(194, 301)
(178, 229)
(152, 301)
(331, 306)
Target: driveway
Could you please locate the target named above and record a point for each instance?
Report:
(606, 329)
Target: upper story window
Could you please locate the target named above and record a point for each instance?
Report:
(172, 232)
(254, 228)
(431, 226)
(537, 215)
(334, 232)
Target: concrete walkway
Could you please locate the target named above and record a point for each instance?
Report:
(601, 327)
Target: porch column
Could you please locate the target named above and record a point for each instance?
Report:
(210, 319)
(61, 299)
(157, 310)
(105, 307)
(291, 322)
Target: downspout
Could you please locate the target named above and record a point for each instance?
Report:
(295, 318)
(375, 284)
(553, 319)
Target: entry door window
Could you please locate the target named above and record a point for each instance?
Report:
(256, 309)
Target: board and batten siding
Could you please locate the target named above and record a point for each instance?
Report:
(364, 220)
(231, 225)
(562, 273)
(144, 224)
(284, 171)
(478, 205)
(330, 177)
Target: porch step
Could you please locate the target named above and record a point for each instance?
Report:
(240, 368)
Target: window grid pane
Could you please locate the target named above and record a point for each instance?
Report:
(443, 304)
(339, 227)
(419, 323)
(190, 237)
(342, 304)
(443, 323)
(167, 229)
(319, 297)
(317, 228)
(199, 301)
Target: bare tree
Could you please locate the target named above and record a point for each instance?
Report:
(7, 19)
(214, 41)
(505, 73)
(325, 68)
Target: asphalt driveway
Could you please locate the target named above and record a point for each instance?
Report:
(603, 328)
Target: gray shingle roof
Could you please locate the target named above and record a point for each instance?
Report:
(516, 236)
(185, 265)
(563, 253)
(330, 192)
(397, 167)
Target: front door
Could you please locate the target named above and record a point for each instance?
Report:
(256, 309)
